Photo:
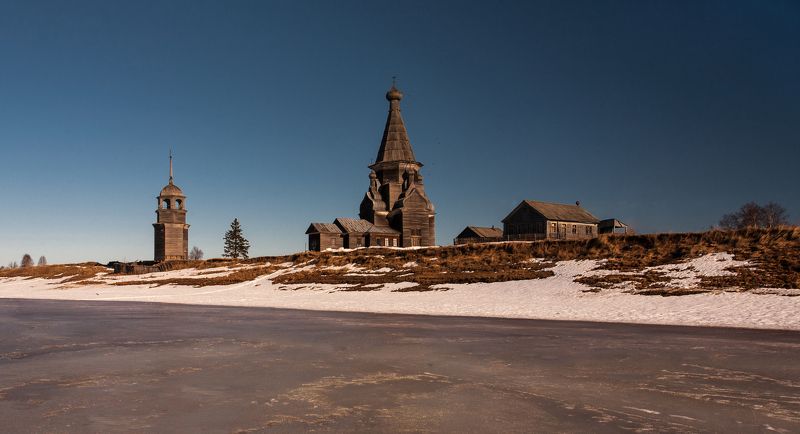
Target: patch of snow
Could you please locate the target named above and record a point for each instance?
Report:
(687, 274)
(347, 267)
(555, 297)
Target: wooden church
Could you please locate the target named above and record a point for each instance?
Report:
(395, 211)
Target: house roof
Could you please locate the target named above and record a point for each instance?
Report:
(612, 223)
(383, 230)
(557, 211)
(395, 145)
(323, 228)
(353, 225)
(485, 232)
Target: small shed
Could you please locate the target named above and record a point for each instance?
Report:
(479, 234)
(322, 236)
(613, 226)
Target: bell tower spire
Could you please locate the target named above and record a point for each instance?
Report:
(170, 165)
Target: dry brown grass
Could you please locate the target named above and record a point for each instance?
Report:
(775, 254)
(72, 272)
(426, 267)
(237, 276)
(641, 281)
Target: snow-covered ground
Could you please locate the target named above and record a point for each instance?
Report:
(556, 297)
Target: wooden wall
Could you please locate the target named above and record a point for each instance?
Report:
(171, 241)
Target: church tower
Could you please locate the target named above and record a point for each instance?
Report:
(171, 230)
(396, 197)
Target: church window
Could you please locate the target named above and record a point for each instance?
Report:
(394, 242)
(574, 229)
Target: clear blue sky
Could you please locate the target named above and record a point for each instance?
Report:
(665, 114)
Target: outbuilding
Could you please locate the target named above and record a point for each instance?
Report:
(478, 234)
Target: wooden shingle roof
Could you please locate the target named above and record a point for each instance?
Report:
(323, 228)
(383, 230)
(485, 232)
(349, 225)
(557, 211)
(395, 145)
(611, 223)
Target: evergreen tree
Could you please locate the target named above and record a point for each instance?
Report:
(42, 260)
(236, 245)
(27, 261)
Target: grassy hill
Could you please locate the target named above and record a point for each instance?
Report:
(635, 262)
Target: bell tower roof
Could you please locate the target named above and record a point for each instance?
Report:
(171, 189)
(395, 145)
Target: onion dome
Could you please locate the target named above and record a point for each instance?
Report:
(394, 94)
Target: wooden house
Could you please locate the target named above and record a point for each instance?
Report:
(477, 234)
(534, 220)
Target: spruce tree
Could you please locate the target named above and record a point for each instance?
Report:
(236, 245)
(27, 261)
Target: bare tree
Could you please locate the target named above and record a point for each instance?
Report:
(27, 261)
(774, 215)
(751, 215)
(13, 264)
(196, 254)
(42, 261)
